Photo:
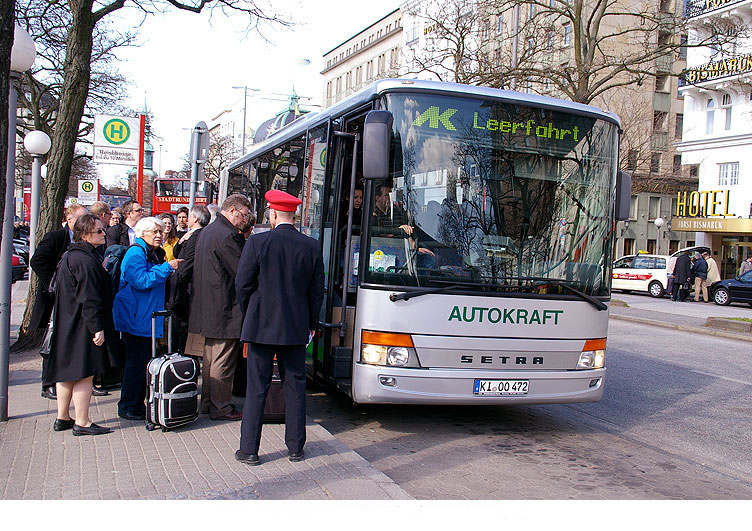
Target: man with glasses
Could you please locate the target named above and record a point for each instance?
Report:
(123, 233)
(214, 313)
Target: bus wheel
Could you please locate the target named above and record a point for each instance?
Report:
(655, 289)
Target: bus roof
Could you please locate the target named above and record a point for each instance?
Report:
(382, 86)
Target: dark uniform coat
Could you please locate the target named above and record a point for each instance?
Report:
(83, 306)
(682, 269)
(214, 306)
(280, 286)
(43, 263)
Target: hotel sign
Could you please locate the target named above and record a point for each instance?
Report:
(719, 69)
(710, 203)
(712, 225)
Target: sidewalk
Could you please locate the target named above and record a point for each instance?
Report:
(193, 462)
(685, 316)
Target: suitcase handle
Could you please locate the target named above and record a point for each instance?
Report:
(154, 315)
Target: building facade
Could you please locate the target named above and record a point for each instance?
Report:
(716, 139)
(373, 53)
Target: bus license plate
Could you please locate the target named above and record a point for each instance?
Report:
(501, 387)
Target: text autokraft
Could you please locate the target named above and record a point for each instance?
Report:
(504, 315)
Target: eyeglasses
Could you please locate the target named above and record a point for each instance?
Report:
(137, 209)
(98, 231)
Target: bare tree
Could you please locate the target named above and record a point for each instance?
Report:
(222, 151)
(86, 18)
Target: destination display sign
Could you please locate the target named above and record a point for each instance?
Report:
(499, 124)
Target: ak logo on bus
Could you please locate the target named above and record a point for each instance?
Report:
(434, 117)
(116, 131)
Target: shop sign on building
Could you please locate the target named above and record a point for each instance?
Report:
(116, 139)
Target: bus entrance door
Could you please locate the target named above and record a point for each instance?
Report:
(342, 258)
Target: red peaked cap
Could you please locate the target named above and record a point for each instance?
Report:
(282, 201)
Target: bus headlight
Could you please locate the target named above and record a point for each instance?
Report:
(393, 350)
(593, 354)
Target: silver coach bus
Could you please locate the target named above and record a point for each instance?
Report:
(467, 236)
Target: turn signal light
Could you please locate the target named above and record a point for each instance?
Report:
(387, 338)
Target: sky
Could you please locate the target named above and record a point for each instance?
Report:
(186, 65)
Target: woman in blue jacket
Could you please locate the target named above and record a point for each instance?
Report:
(142, 291)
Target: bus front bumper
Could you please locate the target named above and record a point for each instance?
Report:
(390, 385)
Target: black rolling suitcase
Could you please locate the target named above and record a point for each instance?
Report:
(274, 409)
(171, 384)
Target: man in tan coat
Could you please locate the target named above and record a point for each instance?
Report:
(713, 274)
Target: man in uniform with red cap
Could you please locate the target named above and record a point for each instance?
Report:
(280, 287)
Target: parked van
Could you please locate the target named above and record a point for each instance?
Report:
(641, 272)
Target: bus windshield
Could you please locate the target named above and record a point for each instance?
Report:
(493, 196)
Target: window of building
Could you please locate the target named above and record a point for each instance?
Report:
(662, 84)
(487, 29)
(550, 40)
(679, 126)
(651, 247)
(728, 174)
(673, 207)
(726, 105)
(694, 170)
(500, 25)
(552, 3)
(654, 208)
(655, 163)
(633, 203)
(632, 159)
(339, 85)
(683, 48)
(532, 9)
(530, 45)
(660, 119)
(567, 33)
(690, 243)
(710, 116)
(676, 168)
(628, 246)
(673, 246)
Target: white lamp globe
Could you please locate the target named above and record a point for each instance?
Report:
(37, 142)
(24, 50)
(659, 222)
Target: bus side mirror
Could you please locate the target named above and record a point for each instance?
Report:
(376, 135)
(623, 195)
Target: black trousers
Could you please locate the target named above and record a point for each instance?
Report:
(291, 361)
(133, 389)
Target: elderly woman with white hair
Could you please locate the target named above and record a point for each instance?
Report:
(142, 291)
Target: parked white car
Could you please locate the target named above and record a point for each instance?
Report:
(641, 272)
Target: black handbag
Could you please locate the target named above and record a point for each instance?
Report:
(44, 350)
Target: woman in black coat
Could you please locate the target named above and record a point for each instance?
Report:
(83, 327)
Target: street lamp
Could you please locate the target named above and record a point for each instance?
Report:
(22, 56)
(658, 224)
(37, 143)
(245, 101)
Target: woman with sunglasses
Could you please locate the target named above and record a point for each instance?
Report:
(83, 327)
(142, 292)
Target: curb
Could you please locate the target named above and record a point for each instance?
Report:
(702, 331)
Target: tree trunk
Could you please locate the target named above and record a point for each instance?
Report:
(73, 96)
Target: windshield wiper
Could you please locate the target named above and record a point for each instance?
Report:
(563, 283)
(394, 297)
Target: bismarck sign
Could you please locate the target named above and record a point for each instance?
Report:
(716, 70)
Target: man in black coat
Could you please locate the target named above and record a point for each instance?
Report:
(123, 233)
(280, 287)
(214, 306)
(681, 275)
(182, 281)
(43, 263)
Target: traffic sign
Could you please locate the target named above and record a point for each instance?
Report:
(88, 191)
(116, 139)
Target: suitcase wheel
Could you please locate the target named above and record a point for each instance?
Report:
(150, 426)
(164, 430)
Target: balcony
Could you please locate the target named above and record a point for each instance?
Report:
(696, 8)
(664, 64)
(662, 101)
(659, 141)
(725, 68)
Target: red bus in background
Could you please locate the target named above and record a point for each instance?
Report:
(171, 194)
